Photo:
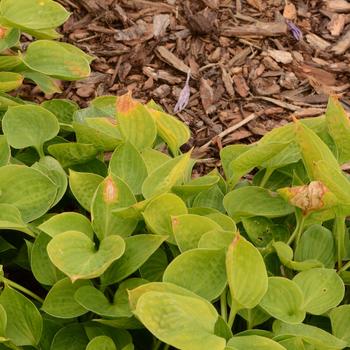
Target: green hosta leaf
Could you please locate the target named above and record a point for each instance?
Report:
(183, 322)
(153, 159)
(189, 228)
(10, 39)
(135, 122)
(223, 220)
(228, 154)
(159, 211)
(94, 300)
(153, 269)
(101, 343)
(284, 300)
(254, 316)
(127, 163)
(166, 176)
(10, 81)
(52, 169)
(216, 239)
(75, 254)
(254, 342)
(296, 343)
(200, 270)
(47, 84)
(33, 14)
(285, 254)
(71, 337)
(111, 194)
(196, 185)
(238, 203)
(56, 59)
(29, 125)
(62, 109)
(8, 63)
(60, 302)
(313, 335)
(317, 243)
(24, 322)
(83, 187)
(33, 193)
(10, 219)
(105, 103)
(67, 221)
(211, 198)
(340, 318)
(137, 251)
(69, 154)
(171, 130)
(252, 158)
(338, 126)
(323, 289)
(246, 273)
(5, 152)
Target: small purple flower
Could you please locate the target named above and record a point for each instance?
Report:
(184, 95)
(296, 32)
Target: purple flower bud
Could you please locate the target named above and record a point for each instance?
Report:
(296, 32)
(184, 95)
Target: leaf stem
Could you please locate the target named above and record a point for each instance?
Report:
(157, 344)
(298, 229)
(166, 347)
(22, 289)
(223, 304)
(267, 174)
(345, 267)
(339, 234)
(233, 313)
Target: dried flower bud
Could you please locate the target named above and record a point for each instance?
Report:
(184, 95)
(296, 32)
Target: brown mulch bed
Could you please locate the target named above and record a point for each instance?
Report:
(249, 74)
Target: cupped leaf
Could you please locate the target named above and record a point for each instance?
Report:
(135, 122)
(10, 219)
(60, 60)
(24, 322)
(323, 289)
(284, 300)
(127, 164)
(83, 187)
(197, 185)
(153, 159)
(29, 126)
(216, 239)
(246, 273)
(47, 84)
(313, 335)
(71, 337)
(181, 321)
(33, 14)
(223, 220)
(340, 319)
(159, 211)
(211, 198)
(317, 243)
(137, 250)
(200, 270)
(254, 342)
(28, 189)
(68, 221)
(62, 109)
(10, 81)
(76, 255)
(111, 194)
(101, 342)
(60, 302)
(238, 203)
(169, 174)
(153, 269)
(171, 130)
(189, 228)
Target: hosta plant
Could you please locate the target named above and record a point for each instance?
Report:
(41, 61)
(107, 242)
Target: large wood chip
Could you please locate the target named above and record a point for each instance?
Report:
(202, 22)
(317, 42)
(280, 56)
(241, 85)
(145, 4)
(161, 75)
(160, 25)
(258, 29)
(207, 96)
(141, 31)
(343, 44)
(228, 82)
(171, 59)
(336, 24)
(290, 12)
(338, 6)
(213, 4)
(257, 4)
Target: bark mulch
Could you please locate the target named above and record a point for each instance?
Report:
(250, 69)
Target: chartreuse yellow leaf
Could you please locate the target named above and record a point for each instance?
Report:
(101, 342)
(5, 152)
(338, 126)
(254, 342)
(191, 270)
(10, 81)
(159, 211)
(340, 319)
(10, 38)
(75, 254)
(171, 173)
(246, 273)
(171, 130)
(184, 322)
(33, 14)
(135, 123)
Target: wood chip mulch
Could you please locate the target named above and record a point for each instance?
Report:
(250, 69)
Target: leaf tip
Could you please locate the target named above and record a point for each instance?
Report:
(110, 191)
(125, 103)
